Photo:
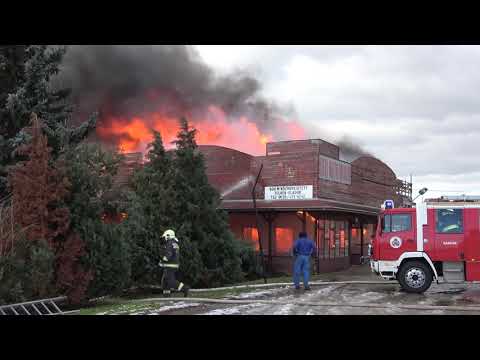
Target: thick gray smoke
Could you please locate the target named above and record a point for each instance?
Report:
(350, 150)
(128, 80)
(122, 81)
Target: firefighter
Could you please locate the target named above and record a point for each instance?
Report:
(170, 264)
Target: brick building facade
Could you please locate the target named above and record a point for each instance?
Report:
(303, 186)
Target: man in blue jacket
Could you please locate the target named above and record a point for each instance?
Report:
(303, 248)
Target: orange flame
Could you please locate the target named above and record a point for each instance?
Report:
(134, 134)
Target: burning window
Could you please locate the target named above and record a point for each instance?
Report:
(333, 238)
(283, 240)
(342, 239)
(250, 234)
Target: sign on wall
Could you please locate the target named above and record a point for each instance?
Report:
(294, 192)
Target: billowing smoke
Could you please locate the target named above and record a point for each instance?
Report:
(136, 88)
(350, 150)
(129, 80)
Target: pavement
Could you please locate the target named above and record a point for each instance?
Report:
(387, 295)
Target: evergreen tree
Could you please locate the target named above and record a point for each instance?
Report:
(149, 211)
(26, 72)
(40, 189)
(12, 65)
(91, 172)
(201, 226)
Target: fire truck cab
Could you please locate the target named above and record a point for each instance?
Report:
(437, 240)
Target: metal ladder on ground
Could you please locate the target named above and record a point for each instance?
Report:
(37, 307)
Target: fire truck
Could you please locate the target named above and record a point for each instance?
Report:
(436, 240)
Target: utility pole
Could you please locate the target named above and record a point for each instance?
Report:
(258, 224)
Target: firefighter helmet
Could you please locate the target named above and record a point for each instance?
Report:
(169, 234)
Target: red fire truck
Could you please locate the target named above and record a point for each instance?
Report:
(437, 240)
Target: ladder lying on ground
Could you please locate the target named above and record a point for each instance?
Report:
(37, 307)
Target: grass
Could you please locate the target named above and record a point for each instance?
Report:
(126, 304)
(117, 306)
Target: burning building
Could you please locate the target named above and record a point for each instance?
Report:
(304, 186)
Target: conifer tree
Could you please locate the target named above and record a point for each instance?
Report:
(12, 65)
(149, 211)
(26, 73)
(91, 172)
(196, 215)
(40, 189)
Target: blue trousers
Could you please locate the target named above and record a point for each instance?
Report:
(301, 266)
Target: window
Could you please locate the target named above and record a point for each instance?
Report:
(333, 238)
(250, 234)
(283, 240)
(449, 220)
(334, 170)
(397, 222)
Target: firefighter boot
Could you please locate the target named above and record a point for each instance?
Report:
(184, 289)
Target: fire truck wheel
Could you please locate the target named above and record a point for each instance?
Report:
(415, 277)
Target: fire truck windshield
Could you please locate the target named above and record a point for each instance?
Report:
(397, 222)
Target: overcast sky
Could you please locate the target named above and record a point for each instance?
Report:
(415, 107)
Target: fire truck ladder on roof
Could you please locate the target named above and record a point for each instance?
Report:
(37, 307)
(472, 198)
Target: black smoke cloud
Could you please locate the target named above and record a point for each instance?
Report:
(128, 80)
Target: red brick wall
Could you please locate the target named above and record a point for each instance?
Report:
(229, 171)
(296, 163)
(303, 146)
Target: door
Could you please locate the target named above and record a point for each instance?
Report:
(356, 244)
(398, 235)
(449, 228)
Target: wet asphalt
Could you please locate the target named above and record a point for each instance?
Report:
(389, 294)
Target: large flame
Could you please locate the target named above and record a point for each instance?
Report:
(134, 134)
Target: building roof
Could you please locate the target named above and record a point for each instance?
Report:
(293, 205)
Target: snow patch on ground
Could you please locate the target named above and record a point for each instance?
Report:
(180, 305)
(232, 310)
(284, 310)
(256, 294)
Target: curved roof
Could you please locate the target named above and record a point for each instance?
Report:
(366, 161)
